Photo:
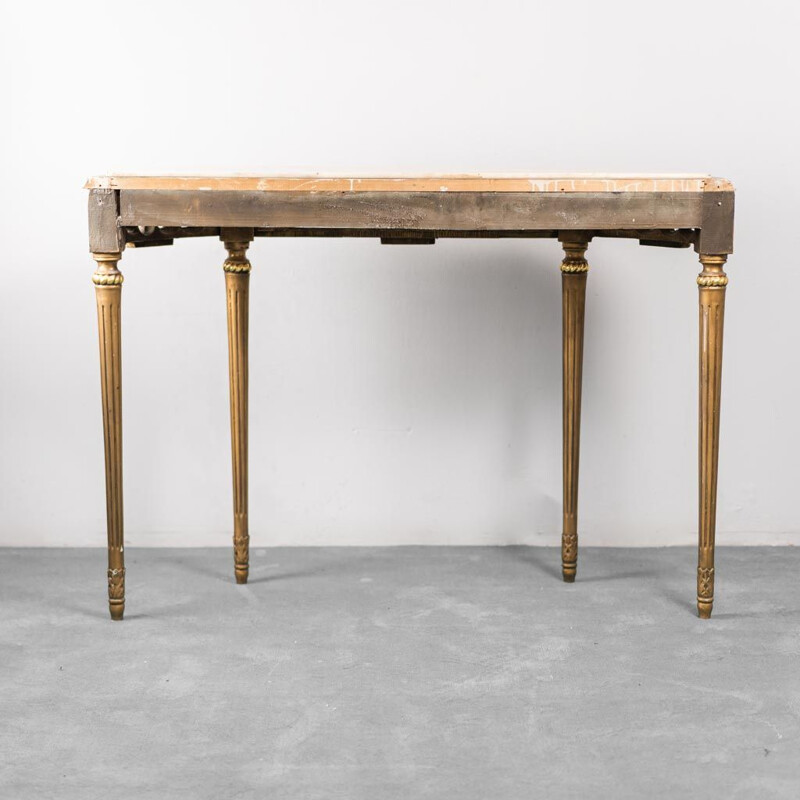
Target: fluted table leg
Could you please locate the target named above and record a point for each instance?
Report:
(108, 289)
(711, 282)
(574, 269)
(237, 283)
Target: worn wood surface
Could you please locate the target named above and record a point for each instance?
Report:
(696, 209)
(104, 232)
(457, 211)
(424, 183)
(716, 226)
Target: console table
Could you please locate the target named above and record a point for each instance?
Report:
(658, 210)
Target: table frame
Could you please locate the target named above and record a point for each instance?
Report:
(156, 216)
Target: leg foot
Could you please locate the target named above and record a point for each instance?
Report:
(704, 608)
(116, 592)
(241, 555)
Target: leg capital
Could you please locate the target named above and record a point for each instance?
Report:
(236, 242)
(574, 261)
(107, 273)
(713, 274)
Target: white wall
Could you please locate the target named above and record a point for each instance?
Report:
(398, 395)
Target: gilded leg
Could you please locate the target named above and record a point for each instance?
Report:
(711, 282)
(574, 270)
(108, 288)
(237, 283)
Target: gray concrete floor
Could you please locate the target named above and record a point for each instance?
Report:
(400, 673)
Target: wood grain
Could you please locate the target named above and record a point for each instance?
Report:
(465, 211)
(425, 183)
(104, 232)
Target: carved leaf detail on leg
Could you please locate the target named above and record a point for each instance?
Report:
(241, 551)
(116, 584)
(705, 582)
(569, 547)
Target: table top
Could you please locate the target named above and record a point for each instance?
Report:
(677, 210)
(532, 183)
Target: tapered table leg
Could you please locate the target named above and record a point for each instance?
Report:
(574, 269)
(237, 284)
(108, 288)
(711, 282)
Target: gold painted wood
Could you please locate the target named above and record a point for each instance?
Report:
(711, 283)
(237, 286)
(107, 280)
(424, 183)
(574, 269)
